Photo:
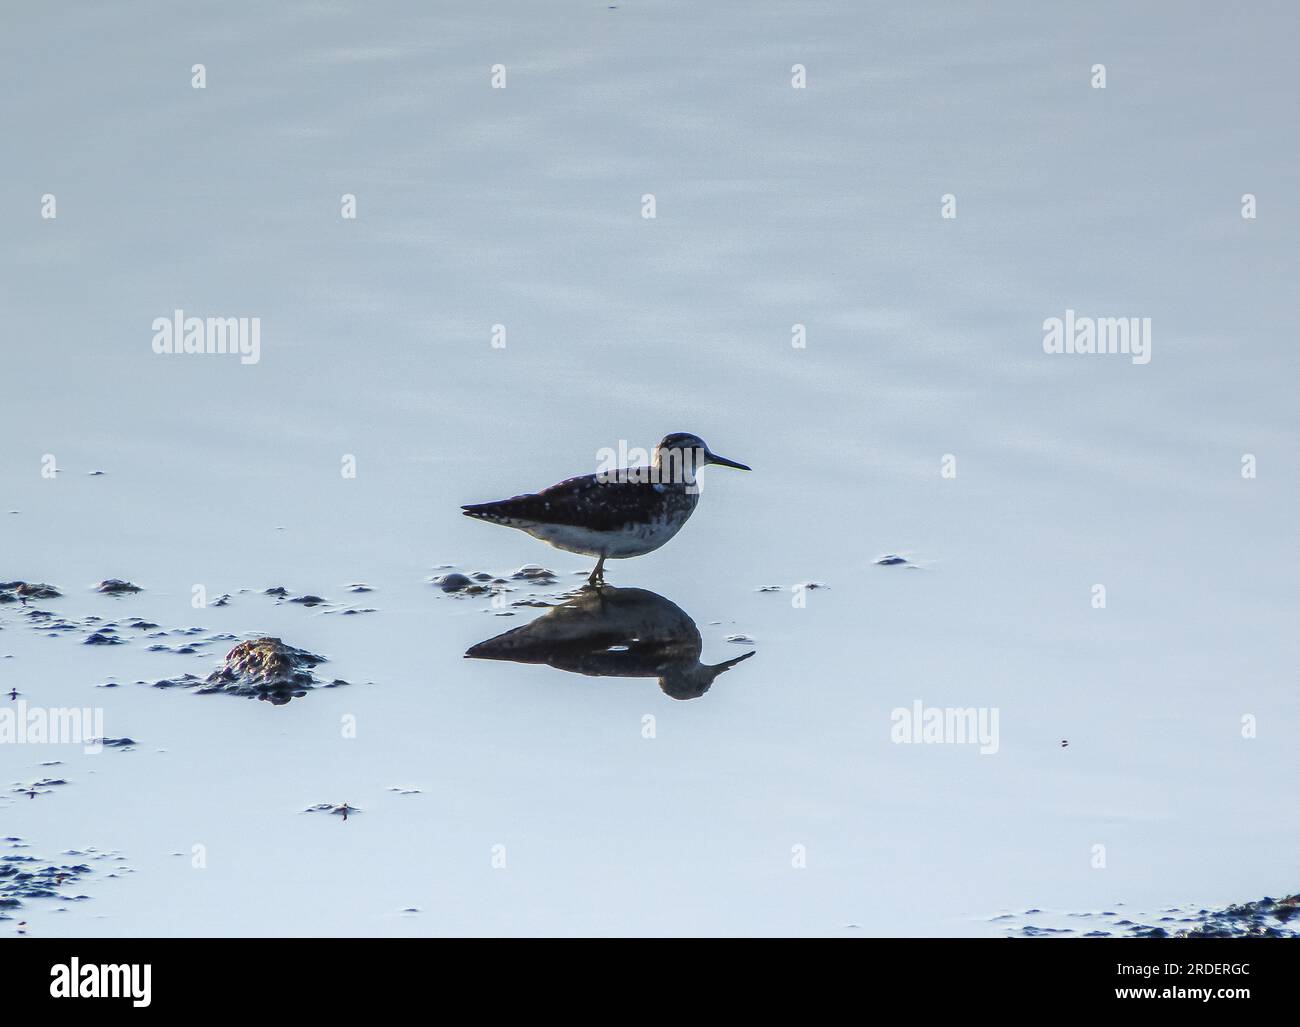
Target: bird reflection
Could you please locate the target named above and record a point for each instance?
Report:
(614, 632)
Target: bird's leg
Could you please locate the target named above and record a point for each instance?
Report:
(598, 575)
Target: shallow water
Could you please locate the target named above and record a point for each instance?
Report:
(775, 206)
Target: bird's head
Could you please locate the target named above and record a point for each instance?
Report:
(680, 455)
(690, 681)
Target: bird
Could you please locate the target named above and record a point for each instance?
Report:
(614, 514)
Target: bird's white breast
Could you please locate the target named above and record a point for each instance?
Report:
(630, 540)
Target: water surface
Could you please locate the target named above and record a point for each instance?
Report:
(775, 206)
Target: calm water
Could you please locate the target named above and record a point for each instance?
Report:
(774, 206)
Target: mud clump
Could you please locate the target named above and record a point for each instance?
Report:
(117, 587)
(26, 879)
(535, 573)
(260, 668)
(454, 582)
(1267, 918)
(23, 878)
(21, 591)
(481, 583)
(336, 809)
(45, 786)
(268, 663)
(104, 637)
(125, 744)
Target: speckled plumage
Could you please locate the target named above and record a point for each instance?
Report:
(597, 516)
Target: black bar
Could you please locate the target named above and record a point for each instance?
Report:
(1050, 977)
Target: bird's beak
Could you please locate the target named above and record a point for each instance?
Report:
(718, 668)
(713, 458)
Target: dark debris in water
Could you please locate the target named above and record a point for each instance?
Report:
(260, 668)
(1266, 918)
(337, 809)
(22, 591)
(117, 587)
(481, 583)
(307, 599)
(125, 744)
(189, 649)
(454, 582)
(310, 600)
(534, 573)
(44, 786)
(106, 636)
(24, 878)
(263, 668)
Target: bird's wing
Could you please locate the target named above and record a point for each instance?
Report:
(589, 501)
